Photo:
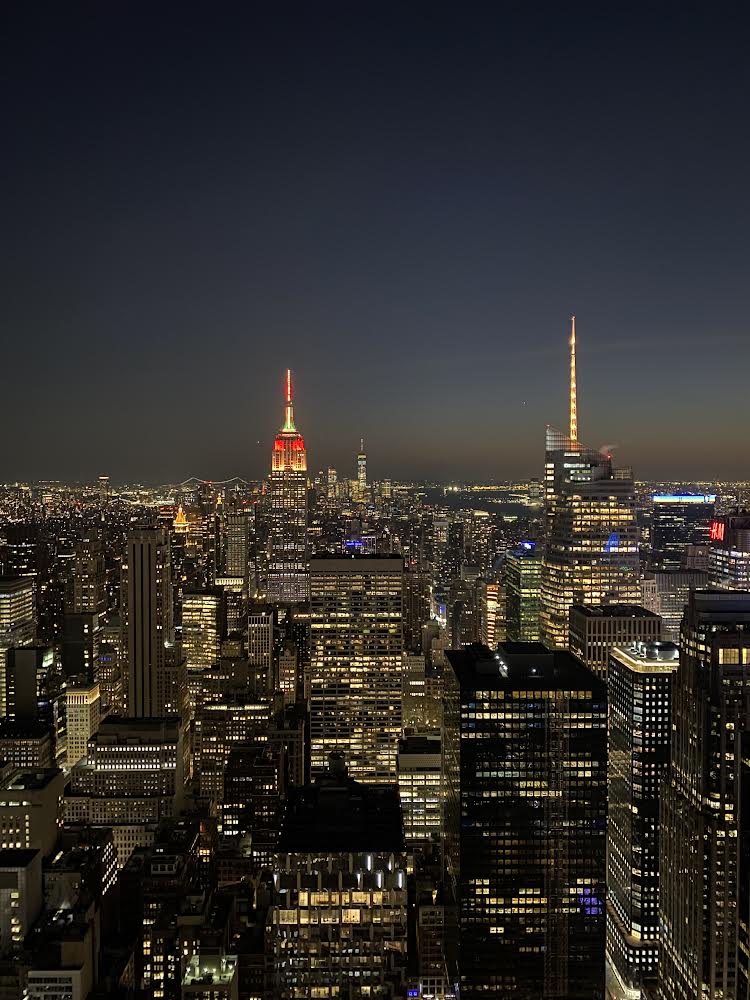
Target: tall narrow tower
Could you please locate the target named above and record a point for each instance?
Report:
(591, 543)
(573, 433)
(287, 565)
(362, 471)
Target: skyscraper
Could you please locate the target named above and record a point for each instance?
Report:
(236, 544)
(526, 806)
(362, 472)
(17, 621)
(356, 654)
(591, 544)
(287, 565)
(89, 578)
(639, 690)
(523, 576)
(678, 520)
(699, 879)
(595, 630)
(147, 620)
(729, 551)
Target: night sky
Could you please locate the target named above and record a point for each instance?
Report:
(404, 203)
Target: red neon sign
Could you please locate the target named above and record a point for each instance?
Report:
(716, 533)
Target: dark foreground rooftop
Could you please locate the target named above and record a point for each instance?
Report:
(337, 814)
(525, 665)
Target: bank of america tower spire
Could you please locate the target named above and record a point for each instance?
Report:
(287, 562)
(591, 533)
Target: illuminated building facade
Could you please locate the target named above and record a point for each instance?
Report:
(523, 582)
(729, 551)
(287, 561)
(20, 896)
(743, 948)
(337, 925)
(420, 788)
(17, 621)
(236, 544)
(699, 877)
(639, 691)
(30, 809)
(591, 531)
(361, 488)
(678, 520)
(131, 779)
(525, 755)
(82, 716)
(591, 550)
(595, 630)
(260, 650)
(89, 578)
(666, 593)
(222, 723)
(146, 605)
(356, 662)
(202, 628)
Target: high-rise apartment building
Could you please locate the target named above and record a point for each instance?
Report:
(591, 543)
(677, 521)
(729, 551)
(287, 560)
(595, 630)
(525, 756)
(699, 864)
(639, 692)
(523, 581)
(146, 605)
(355, 672)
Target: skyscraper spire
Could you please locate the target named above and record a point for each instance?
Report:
(573, 389)
(289, 407)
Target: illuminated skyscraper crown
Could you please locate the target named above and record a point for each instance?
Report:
(289, 447)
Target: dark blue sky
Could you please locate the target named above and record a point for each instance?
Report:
(403, 202)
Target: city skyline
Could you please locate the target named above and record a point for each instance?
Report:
(404, 209)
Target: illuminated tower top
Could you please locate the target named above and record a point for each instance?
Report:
(289, 405)
(362, 466)
(573, 389)
(289, 447)
(180, 522)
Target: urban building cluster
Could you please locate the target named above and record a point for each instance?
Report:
(329, 736)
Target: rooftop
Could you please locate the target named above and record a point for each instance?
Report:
(419, 744)
(17, 857)
(612, 611)
(32, 781)
(20, 730)
(522, 664)
(337, 814)
(649, 657)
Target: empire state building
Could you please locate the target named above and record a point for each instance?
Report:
(287, 564)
